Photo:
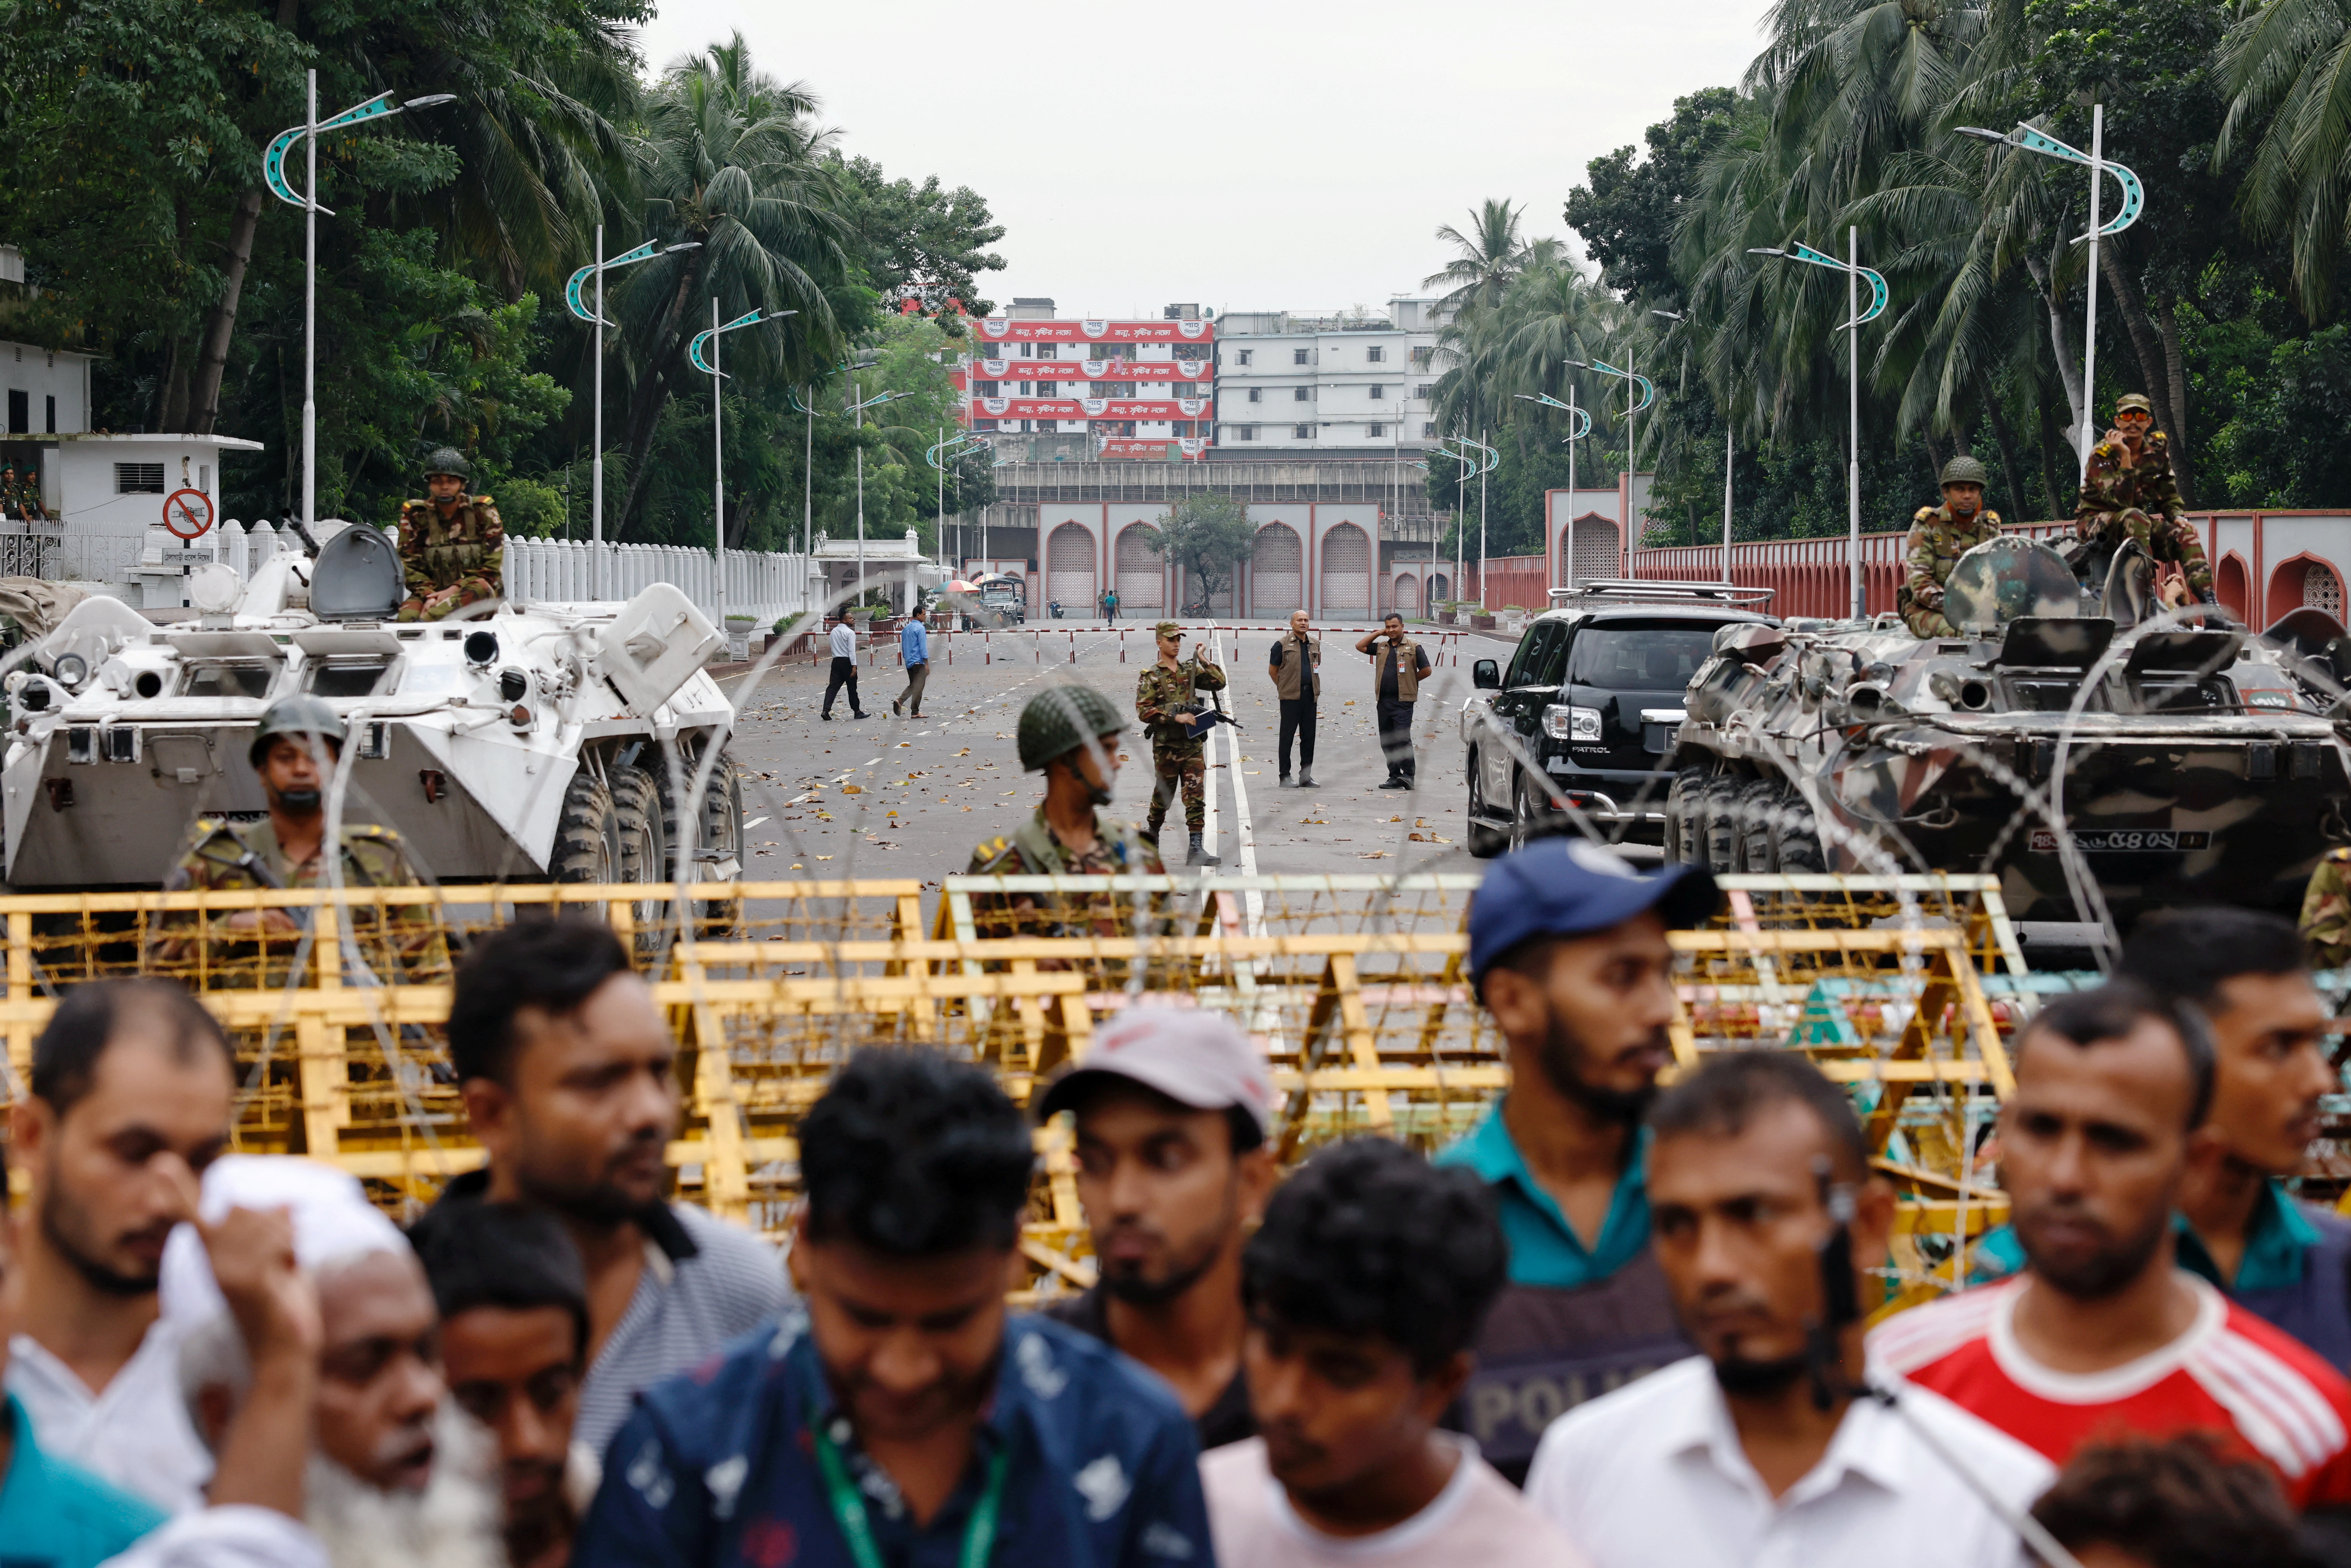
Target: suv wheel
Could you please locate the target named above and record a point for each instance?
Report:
(1485, 841)
(1526, 825)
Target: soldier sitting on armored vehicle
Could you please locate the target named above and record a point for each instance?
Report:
(294, 752)
(2128, 493)
(450, 545)
(1939, 537)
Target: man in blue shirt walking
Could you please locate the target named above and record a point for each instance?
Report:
(902, 1416)
(914, 652)
(1568, 951)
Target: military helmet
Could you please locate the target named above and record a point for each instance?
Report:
(450, 461)
(2135, 400)
(1964, 470)
(1059, 720)
(299, 715)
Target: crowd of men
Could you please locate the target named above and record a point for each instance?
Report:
(1622, 1322)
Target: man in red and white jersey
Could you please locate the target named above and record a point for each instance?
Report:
(2100, 1335)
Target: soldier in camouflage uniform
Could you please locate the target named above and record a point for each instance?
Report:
(2327, 912)
(450, 544)
(294, 751)
(1071, 733)
(1164, 704)
(1939, 537)
(2127, 491)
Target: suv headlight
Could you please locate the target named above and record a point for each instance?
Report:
(1580, 725)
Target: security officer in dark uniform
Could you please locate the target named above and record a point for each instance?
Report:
(450, 545)
(294, 752)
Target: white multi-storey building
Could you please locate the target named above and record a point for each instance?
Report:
(1287, 381)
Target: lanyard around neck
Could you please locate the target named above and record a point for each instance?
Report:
(857, 1526)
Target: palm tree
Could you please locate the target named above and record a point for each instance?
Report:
(2283, 68)
(1492, 253)
(729, 161)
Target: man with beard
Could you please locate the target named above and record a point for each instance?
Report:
(2102, 1332)
(1760, 1447)
(905, 1418)
(568, 1072)
(395, 1477)
(132, 1084)
(513, 1343)
(1171, 1112)
(1568, 950)
(1365, 1289)
(2238, 1226)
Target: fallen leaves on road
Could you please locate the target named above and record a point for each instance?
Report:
(852, 789)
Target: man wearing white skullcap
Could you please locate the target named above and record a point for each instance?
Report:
(393, 1475)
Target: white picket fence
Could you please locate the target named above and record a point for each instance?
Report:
(761, 585)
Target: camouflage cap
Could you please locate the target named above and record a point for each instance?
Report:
(450, 461)
(1057, 721)
(1964, 470)
(1168, 628)
(2135, 400)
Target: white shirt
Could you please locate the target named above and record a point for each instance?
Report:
(1478, 1521)
(238, 1536)
(844, 641)
(1654, 1473)
(135, 1434)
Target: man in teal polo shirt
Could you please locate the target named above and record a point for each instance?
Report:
(1568, 951)
(53, 1514)
(2281, 1260)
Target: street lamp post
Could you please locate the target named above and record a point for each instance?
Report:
(273, 172)
(719, 432)
(2028, 138)
(858, 408)
(1640, 391)
(1578, 426)
(598, 268)
(1855, 319)
(947, 450)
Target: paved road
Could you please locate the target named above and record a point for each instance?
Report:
(907, 797)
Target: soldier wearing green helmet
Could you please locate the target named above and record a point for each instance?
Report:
(2129, 492)
(294, 753)
(450, 545)
(1939, 537)
(1070, 733)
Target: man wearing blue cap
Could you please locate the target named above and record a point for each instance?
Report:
(1568, 951)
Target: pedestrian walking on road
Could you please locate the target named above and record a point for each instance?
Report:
(1403, 665)
(1296, 666)
(1110, 603)
(914, 652)
(844, 668)
(1164, 704)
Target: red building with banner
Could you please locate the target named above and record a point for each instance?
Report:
(1140, 390)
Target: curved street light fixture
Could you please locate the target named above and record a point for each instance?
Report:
(2029, 139)
(272, 174)
(1855, 318)
(718, 434)
(572, 289)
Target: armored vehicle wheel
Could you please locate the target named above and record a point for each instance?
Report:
(1798, 838)
(644, 852)
(717, 839)
(1760, 807)
(587, 835)
(1681, 828)
(1721, 826)
(1485, 841)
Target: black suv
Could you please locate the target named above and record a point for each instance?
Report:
(1592, 697)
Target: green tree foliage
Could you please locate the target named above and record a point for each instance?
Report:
(920, 242)
(1209, 535)
(1625, 216)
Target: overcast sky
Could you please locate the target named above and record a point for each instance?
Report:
(1243, 154)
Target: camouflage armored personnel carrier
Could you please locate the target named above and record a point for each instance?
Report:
(519, 744)
(2100, 764)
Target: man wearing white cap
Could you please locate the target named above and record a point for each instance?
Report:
(395, 1475)
(1171, 1111)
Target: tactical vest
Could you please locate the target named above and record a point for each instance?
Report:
(1297, 657)
(1407, 658)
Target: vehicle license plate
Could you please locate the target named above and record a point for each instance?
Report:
(2125, 840)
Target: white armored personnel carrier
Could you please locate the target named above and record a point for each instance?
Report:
(552, 742)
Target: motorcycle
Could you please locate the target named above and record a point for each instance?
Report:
(1055, 606)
